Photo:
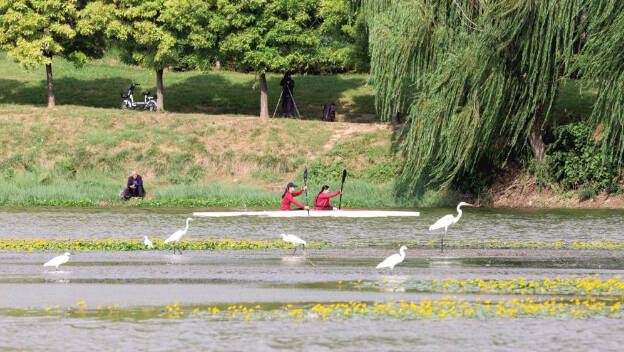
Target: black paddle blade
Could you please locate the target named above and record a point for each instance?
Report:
(344, 176)
(305, 175)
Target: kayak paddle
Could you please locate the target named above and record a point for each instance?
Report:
(344, 175)
(305, 184)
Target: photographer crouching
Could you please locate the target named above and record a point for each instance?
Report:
(134, 187)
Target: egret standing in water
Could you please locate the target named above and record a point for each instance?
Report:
(448, 220)
(147, 242)
(178, 235)
(393, 260)
(57, 261)
(294, 240)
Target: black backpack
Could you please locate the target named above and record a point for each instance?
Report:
(329, 112)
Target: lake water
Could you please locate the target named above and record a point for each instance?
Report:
(544, 225)
(142, 283)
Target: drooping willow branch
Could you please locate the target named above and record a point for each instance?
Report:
(476, 92)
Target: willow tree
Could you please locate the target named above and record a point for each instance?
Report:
(477, 78)
(600, 60)
(33, 32)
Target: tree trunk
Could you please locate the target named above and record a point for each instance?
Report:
(160, 103)
(395, 114)
(535, 139)
(264, 97)
(51, 98)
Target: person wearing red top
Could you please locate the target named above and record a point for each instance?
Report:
(322, 199)
(289, 197)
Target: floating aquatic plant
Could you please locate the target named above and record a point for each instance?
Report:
(137, 244)
(438, 309)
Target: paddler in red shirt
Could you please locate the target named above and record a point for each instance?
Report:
(322, 199)
(289, 197)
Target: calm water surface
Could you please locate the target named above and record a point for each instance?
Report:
(154, 279)
(544, 225)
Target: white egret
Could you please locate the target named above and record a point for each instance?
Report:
(393, 260)
(177, 235)
(294, 240)
(57, 261)
(147, 242)
(448, 220)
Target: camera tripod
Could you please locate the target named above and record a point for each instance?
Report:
(291, 97)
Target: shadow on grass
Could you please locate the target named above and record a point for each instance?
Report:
(213, 93)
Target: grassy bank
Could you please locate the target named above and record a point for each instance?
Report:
(208, 149)
(74, 155)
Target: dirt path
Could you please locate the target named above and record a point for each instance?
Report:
(350, 128)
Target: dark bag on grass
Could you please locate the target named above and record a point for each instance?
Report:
(329, 112)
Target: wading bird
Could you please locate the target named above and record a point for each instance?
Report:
(294, 240)
(393, 260)
(57, 261)
(177, 235)
(147, 242)
(448, 220)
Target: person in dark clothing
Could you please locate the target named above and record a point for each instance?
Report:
(134, 187)
(288, 103)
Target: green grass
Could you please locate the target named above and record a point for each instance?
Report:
(99, 84)
(74, 155)
(94, 190)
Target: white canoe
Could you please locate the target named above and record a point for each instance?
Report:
(313, 213)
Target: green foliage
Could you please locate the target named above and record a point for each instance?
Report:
(157, 33)
(600, 61)
(471, 74)
(344, 36)
(385, 171)
(34, 31)
(477, 77)
(270, 36)
(575, 162)
(326, 171)
(284, 35)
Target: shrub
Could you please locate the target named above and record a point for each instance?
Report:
(575, 161)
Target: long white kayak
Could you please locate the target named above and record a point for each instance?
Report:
(315, 213)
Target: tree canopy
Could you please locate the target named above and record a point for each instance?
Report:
(270, 36)
(478, 79)
(34, 31)
(156, 34)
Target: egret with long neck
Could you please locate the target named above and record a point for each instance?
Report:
(393, 260)
(446, 221)
(178, 235)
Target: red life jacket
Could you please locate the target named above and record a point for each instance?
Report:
(290, 198)
(322, 200)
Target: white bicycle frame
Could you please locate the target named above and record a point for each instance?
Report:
(132, 104)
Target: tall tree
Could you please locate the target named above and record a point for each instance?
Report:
(156, 34)
(33, 32)
(600, 60)
(477, 77)
(270, 36)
